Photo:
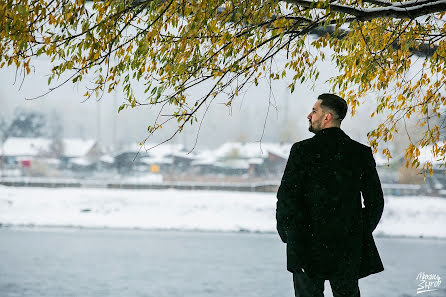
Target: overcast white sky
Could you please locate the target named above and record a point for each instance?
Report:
(244, 122)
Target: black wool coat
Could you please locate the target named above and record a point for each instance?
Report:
(319, 211)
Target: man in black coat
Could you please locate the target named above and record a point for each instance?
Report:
(319, 210)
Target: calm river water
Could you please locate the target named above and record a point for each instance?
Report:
(47, 262)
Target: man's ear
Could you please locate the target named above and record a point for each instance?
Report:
(328, 116)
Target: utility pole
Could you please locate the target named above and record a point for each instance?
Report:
(98, 119)
(115, 118)
(286, 137)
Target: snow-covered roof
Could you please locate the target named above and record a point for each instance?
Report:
(250, 149)
(184, 155)
(81, 161)
(23, 146)
(257, 161)
(283, 151)
(75, 147)
(107, 159)
(253, 153)
(156, 160)
(149, 149)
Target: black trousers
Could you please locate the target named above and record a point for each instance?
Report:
(304, 286)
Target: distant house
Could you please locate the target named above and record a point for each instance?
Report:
(245, 150)
(159, 159)
(277, 159)
(79, 154)
(157, 164)
(105, 162)
(25, 147)
(256, 167)
(26, 152)
(77, 148)
(130, 159)
(232, 166)
(32, 147)
(203, 166)
(234, 158)
(182, 161)
(21, 152)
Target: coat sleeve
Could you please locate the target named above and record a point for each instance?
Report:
(290, 193)
(372, 193)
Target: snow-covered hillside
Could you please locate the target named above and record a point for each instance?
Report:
(191, 210)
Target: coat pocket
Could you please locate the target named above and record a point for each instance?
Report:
(297, 248)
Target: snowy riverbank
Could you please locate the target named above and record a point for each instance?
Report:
(191, 210)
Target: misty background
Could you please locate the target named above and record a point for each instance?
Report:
(260, 113)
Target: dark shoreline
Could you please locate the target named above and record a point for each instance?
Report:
(32, 227)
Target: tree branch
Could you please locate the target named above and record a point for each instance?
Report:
(409, 11)
(398, 4)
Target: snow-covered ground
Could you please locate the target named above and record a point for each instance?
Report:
(191, 210)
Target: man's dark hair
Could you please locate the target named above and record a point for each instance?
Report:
(335, 103)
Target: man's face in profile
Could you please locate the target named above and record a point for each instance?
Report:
(316, 117)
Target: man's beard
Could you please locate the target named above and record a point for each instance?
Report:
(312, 129)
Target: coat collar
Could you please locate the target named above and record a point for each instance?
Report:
(332, 131)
